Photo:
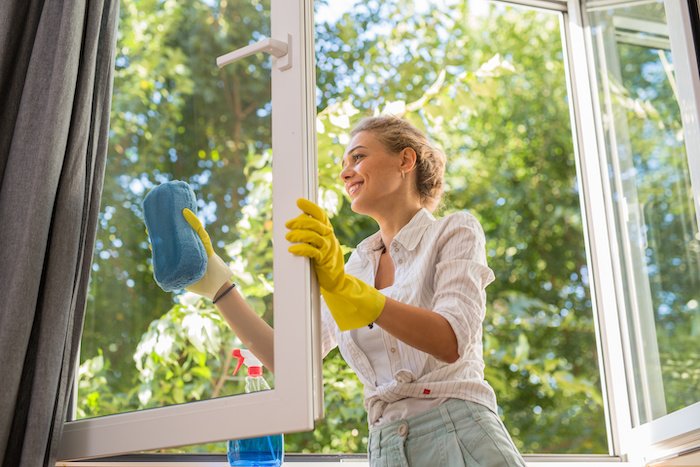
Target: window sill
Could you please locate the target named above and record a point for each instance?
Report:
(317, 460)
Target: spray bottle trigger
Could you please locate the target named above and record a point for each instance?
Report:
(239, 358)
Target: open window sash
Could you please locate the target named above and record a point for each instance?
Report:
(296, 400)
(641, 428)
(677, 434)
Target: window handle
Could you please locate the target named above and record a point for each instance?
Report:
(281, 50)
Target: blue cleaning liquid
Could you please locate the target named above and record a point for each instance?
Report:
(265, 451)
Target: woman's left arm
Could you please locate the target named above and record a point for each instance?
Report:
(420, 328)
(458, 276)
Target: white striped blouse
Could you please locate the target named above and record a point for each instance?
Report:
(440, 265)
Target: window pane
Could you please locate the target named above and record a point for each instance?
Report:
(176, 116)
(487, 83)
(654, 212)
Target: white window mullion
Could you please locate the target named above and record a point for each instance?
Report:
(295, 170)
(602, 252)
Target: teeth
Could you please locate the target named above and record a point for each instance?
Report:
(353, 188)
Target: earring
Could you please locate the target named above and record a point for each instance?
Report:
(403, 175)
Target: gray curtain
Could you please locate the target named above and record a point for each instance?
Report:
(56, 75)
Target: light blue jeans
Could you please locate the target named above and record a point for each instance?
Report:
(456, 433)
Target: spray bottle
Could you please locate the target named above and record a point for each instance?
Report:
(265, 451)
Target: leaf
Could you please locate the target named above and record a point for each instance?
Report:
(522, 350)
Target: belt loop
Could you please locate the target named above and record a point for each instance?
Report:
(377, 443)
(447, 420)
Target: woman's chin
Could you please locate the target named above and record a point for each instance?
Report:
(357, 206)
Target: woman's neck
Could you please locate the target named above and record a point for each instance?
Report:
(391, 224)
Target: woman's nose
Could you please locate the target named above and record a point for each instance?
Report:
(346, 173)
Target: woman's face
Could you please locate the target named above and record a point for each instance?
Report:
(372, 175)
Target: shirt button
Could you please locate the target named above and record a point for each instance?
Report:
(396, 250)
(393, 350)
(400, 261)
(403, 429)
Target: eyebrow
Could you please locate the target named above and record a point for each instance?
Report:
(342, 163)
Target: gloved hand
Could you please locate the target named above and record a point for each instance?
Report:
(217, 272)
(353, 303)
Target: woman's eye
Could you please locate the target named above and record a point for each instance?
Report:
(355, 157)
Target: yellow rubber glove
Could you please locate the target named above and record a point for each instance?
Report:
(217, 272)
(352, 302)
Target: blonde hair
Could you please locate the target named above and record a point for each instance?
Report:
(396, 135)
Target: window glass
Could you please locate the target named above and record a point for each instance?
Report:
(651, 195)
(175, 116)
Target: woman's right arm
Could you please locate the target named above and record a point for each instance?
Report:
(255, 334)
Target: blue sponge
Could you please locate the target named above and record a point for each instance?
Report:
(179, 257)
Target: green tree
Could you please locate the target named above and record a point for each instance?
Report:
(175, 116)
(490, 89)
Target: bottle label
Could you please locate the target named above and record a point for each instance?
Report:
(265, 451)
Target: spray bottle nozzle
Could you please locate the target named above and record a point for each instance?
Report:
(239, 359)
(247, 357)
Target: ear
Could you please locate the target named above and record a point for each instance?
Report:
(408, 159)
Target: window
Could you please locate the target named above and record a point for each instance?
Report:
(572, 134)
(653, 200)
(646, 78)
(170, 127)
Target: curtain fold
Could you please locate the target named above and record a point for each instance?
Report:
(56, 75)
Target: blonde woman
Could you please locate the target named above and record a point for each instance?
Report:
(406, 311)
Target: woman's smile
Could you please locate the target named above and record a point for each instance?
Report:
(353, 187)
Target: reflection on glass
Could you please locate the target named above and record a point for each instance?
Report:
(656, 223)
(175, 116)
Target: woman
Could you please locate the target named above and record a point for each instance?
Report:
(406, 310)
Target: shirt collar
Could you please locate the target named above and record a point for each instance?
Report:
(409, 235)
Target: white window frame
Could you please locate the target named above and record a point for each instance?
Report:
(677, 433)
(296, 400)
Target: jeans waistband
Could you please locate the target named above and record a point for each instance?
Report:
(444, 415)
